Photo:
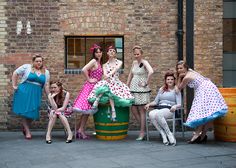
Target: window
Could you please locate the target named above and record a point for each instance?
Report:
(77, 50)
(229, 44)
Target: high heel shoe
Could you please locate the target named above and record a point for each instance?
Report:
(113, 116)
(197, 140)
(48, 141)
(28, 137)
(141, 138)
(68, 140)
(79, 135)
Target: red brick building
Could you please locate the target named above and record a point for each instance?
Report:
(55, 28)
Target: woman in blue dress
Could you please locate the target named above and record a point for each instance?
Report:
(28, 94)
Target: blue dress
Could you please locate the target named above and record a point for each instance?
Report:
(27, 98)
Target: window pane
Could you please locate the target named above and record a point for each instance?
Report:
(229, 9)
(78, 50)
(229, 35)
(90, 41)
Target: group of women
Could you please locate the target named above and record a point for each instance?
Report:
(102, 85)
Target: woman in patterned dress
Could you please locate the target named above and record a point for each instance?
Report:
(111, 89)
(59, 100)
(28, 94)
(138, 81)
(93, 73)
(208, 104)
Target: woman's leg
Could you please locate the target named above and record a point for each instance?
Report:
(67, 126)
(142, 112)
(153, 117)
(26, 124)
(205, 129)
(51, 123)
(135, 112)
(161, 119)
(197, 135)
(96, 102)
(113, 110)
(81, 130)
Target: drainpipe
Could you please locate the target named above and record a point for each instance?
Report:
(180, 31)
(189, 46)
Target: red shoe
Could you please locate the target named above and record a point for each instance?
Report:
(29, 137)
(81, 136)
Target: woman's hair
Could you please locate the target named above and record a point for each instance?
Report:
(167, 74)
(139, 48)
(59, 98)
(111, 47)
(95, 50)
(185, 65)
(34, 58)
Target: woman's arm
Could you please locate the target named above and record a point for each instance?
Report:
(52, 101)
(178, 99)
(150, 71)
(87, 67)
(65, 103)
(46, 88)
(182, 82)
(130, 76)
(14, 80)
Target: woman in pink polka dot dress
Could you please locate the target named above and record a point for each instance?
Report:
(208, 104)
(93, 73)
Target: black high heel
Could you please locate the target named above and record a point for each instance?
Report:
(48, 141)
(68, 140)
(197, 140)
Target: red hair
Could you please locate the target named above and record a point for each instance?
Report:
(167, 74)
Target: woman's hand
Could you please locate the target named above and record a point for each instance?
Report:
(146, 107)
(173, 109)
(182, 75)
(92, 80)
(50, 115)
(15, 87)
(142, 84)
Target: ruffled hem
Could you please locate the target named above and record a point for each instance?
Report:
(90, 111)
(201, 121)
(105, 90)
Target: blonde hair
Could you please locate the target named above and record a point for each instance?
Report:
(139, 48)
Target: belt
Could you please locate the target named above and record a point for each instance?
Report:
(35, 83)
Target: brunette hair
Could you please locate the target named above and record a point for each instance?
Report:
(139, 48)
(95, 50)
(59, 98)
(111, 47)
(167, 74)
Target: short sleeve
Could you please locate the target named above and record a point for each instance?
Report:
(22, 69)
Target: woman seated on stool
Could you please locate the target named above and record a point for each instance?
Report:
(58, 99)
(167, 101)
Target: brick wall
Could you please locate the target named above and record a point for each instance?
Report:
(151, 24)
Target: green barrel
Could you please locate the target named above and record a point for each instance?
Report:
(111, 130)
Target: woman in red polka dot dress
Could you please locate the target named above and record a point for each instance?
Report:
(93, 73)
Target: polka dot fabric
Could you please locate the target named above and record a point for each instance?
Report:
(208, 104)
(81, 103)
(112, 88)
